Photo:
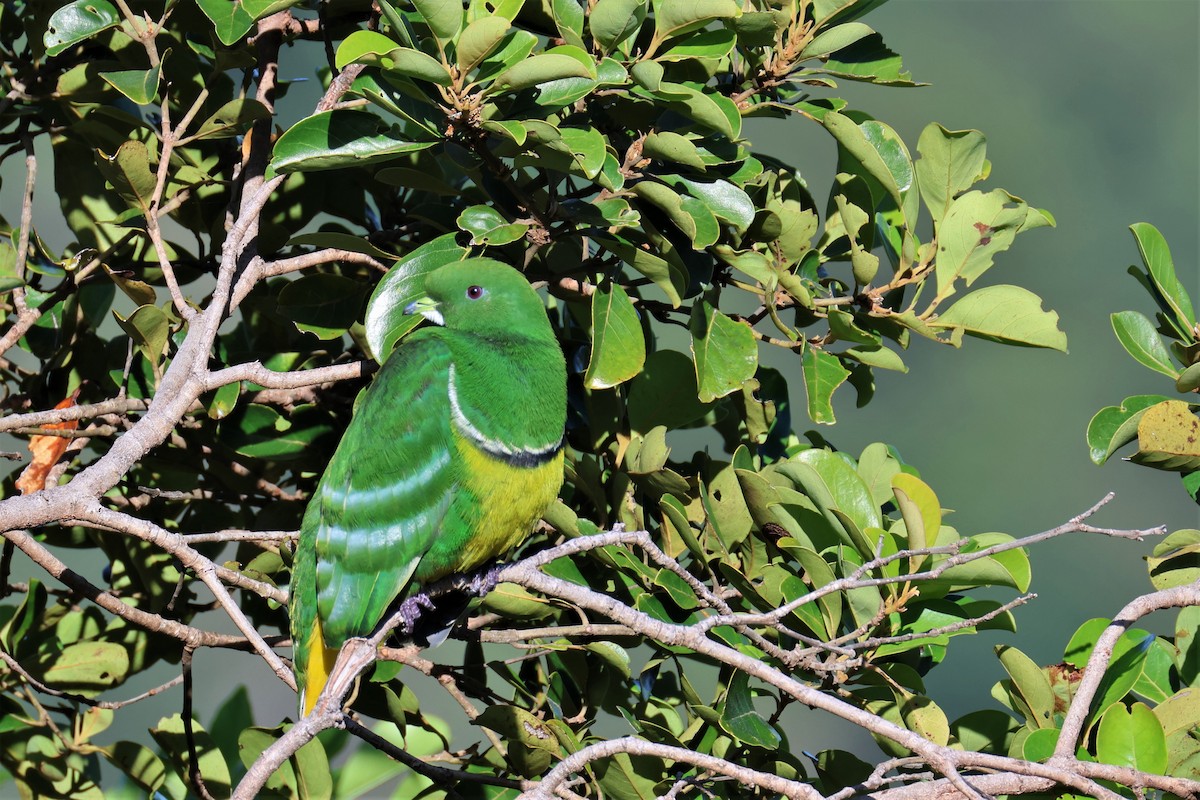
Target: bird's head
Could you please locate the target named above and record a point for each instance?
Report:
(479, 296)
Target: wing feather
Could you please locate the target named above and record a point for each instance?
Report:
(380, 504)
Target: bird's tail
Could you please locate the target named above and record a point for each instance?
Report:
(319, 663)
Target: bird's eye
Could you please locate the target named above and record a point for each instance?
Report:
(474, 292)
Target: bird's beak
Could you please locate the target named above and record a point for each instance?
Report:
(427, 307)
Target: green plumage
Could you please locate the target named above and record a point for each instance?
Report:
(452, 455)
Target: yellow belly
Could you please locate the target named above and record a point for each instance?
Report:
(514, 499)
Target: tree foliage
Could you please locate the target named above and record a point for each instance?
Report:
(183, 367)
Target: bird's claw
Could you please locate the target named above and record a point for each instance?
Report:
(485, 580)
(410, 610)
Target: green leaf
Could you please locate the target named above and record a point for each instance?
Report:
(1189, 379)
(1169, 437)
(324, 305)
(951, 161)
(1007, 568)
(723, 350)
(920, 509)
(976, 228)
(77, 21)
(823, 374)
(139, 763)
(1115, 426)
(129, 172)
(676, 17)
(714, 111)
(223, 400)
(664, 393)
(375, 49)
(696, 221)
(365, 46)
(1139, 338)
(625, 777)
(445, 17)
(836, 38)
(878, 149)
(1175, 560)
(1132, 738)
(86, 668)
(542, 68)
(706, 46)
(340, 138)
(488, 227)
(869, 59)
(149, 328)
(1005, 314)
(232, 20)
(611, 21)
(1031, 688)
(741, 720)
(169, 733)
(139, 292)
(835, 486)
(385, 322)
(139, 85)
(672, 147)
(618, 344)
(568, 19)
(721, 197)
(663, 273)
(480, 38)
(232, 119)
(1157, 258)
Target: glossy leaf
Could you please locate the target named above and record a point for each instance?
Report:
(488, 227)
(78, 21)
(1132, 738)
(444, 17)
(611, 21)
(618, 344)
(741, 720)
(341, 138)
(542, 68)
(835, 38)
(1139, 338)
(385, 321)
(1175, 560)
(1115, 426)
(1157, 258)
(479, 39)
(676, 17)
(920, 510)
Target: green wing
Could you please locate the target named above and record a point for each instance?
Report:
(381, 501)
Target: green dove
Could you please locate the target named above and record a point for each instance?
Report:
(454, 452)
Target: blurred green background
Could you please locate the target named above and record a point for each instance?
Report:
(1092, 111)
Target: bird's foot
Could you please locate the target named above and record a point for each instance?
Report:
(485, 580)
(411, 609)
